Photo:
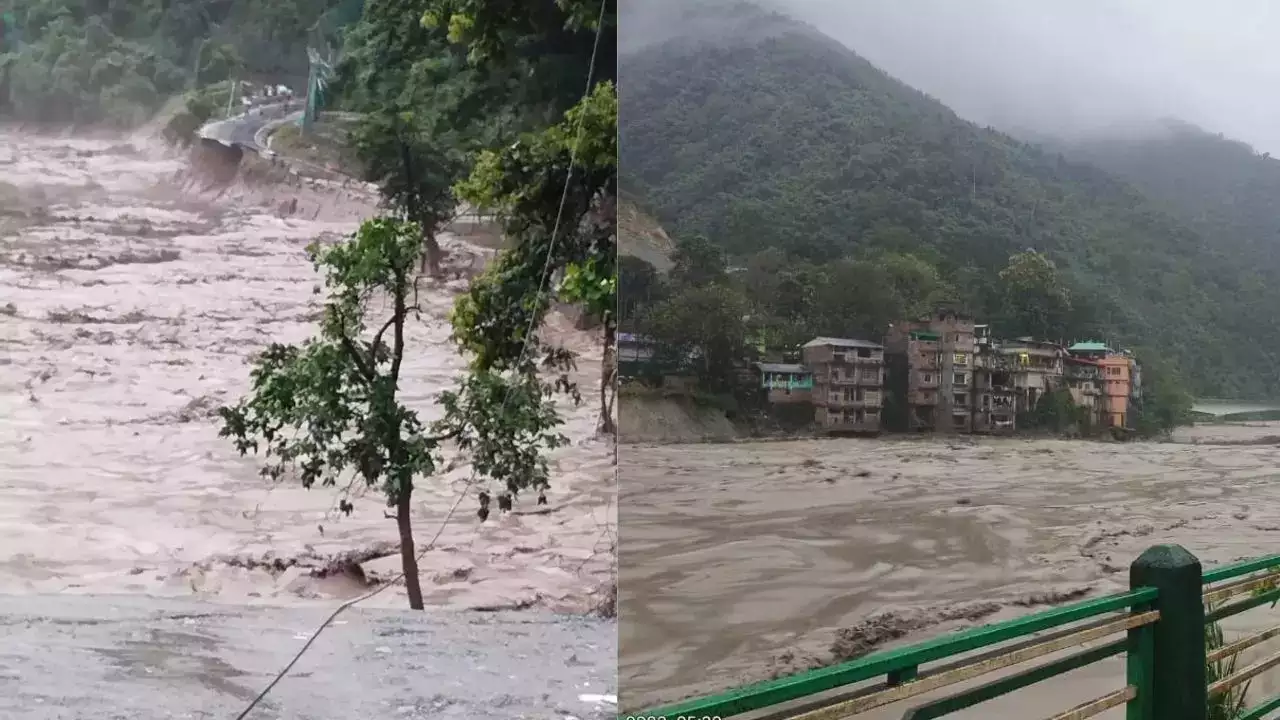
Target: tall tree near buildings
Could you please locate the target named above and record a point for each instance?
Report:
(704, 323)
(1036, 302)
(639, 286)
(697, 262)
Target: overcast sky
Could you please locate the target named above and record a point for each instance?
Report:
(1067, 66)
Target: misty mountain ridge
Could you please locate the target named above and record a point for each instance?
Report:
(784, 138)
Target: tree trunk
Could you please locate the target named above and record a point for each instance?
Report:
(431, 255)
(408, 554)
(608, 380)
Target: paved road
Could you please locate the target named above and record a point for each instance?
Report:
(100, 658)
(242, 129)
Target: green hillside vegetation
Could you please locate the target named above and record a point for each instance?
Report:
(115, 62)
(1225, 190)
(844, 199)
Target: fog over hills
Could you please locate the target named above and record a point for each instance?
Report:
(1080, 67)
(1085, 67)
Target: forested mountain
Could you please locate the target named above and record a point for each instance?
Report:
(1222, 187)
(117, 61)
(798, 158)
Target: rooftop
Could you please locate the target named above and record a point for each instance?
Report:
(790, 368)
(1089, 346)
(842, 342)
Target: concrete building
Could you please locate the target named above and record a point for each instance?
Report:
(848, 383)
(1083, 379)
(1115, 374)
(994, 400)
(1035, 366)
(930, 364)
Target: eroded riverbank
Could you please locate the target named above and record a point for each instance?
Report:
(745, 560)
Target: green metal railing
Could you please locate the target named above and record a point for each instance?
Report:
(1158, 626)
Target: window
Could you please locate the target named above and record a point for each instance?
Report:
(871, 375)
(926, 377)
(839, 357)
(961, 359)
(864, 352)
(961, 399)
(960, 379)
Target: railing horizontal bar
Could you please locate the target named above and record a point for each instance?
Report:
(1005, 685)
(1218, 595)
(1227, 611)
(797, 707)
(1227, 572)
(1244, 675)
(1242, 645)
(1234, 583)
(920, 686)
(1263, 709)
(1102, 704)
(774, 692)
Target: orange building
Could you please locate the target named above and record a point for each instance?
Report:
(1117, 383)
(1116, 387)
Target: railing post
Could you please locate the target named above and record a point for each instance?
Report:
(1177, 680)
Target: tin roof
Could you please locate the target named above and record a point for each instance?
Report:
(791, 368)
(842, 342)
(1089, 346)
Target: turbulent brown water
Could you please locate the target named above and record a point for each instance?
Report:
(129, 306)
(746, 560)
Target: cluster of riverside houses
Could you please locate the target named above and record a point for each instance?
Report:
(945, 374)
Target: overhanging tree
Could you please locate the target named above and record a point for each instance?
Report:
(554, 189)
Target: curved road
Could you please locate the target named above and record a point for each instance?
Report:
(242, 130)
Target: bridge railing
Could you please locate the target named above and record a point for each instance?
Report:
(1159, 626)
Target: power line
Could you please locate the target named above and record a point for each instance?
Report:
(524, 347)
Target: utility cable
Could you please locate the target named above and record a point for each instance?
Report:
(546, 272)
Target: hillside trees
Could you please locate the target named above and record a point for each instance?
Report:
(115, 62)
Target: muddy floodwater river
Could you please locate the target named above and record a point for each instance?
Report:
(130, 303)
(746, 560)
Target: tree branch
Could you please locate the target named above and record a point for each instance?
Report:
(444, 436)
(377, 338)
(354, 352)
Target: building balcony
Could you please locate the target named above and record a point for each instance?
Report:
(858, 379)
(922, 398)
(868, 401)
(858, 361)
